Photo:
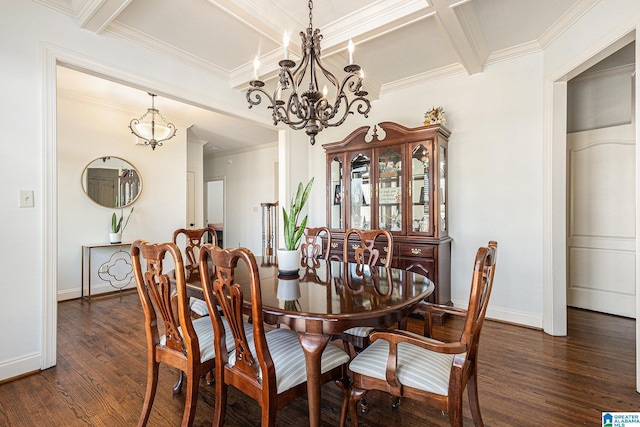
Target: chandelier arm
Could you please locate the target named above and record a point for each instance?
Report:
(363, 108)
(299, 109)
(328, 74)
(256, 92)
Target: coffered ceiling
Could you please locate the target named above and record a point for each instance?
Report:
(398, 42)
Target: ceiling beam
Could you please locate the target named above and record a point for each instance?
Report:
(463, 32)
(95, 15)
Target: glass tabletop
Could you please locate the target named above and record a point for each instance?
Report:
(332, 288)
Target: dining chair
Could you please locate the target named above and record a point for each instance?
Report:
(312, 244)
(193, 240)
(365, 249)
(366, 253)
(409, 365)
(172, 336)
(270, 368)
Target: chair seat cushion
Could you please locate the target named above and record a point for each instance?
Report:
(204, 331)
(417, 368)
(359, 331)
(198, 306)
(288, 357)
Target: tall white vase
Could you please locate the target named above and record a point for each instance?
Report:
(288, 261)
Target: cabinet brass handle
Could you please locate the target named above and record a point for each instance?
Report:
(416, 251)
(334, 245)
(354, 247)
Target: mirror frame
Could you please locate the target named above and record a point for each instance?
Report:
(120, 164)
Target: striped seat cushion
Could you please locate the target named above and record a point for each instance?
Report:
(417, 367)
(288, 358)
(359, 331)
(198, 306)
(204, 331)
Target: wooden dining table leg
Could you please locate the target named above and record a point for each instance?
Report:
(313, 346)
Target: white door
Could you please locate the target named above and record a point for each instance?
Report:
(601, 223)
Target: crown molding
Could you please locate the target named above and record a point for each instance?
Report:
(165, 49)
(421, 78)
(571, 16)
(228, 153)
(62, 6)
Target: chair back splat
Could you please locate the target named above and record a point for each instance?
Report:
(366, 251)
(194, 239)
(172, 337)
(312, 246)
(434, 372)
(268, 366)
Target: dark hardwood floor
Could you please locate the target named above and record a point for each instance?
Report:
(526, 378)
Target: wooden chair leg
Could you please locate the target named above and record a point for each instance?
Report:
(220, 406)
(474, 403)
(344, 384)
(395, 402)
(191, 400)
(455, 410)
(150, 394)
(355, 396)
(402, 324)
(269, 414)
(177, 388)
(428, 325)
(210, 377)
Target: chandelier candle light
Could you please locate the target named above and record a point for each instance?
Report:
(310, 110)
(152, 132)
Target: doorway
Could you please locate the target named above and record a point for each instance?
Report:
(215, 208)
(601, 225)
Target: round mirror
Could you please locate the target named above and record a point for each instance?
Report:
(111, 182)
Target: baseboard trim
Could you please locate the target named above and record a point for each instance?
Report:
(96, 290)
(20, 366)
(508, 316)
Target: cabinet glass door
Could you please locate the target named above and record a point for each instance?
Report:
(336, 219)
(420, 185)
(360, 201)
(389, 190)
(442, 194)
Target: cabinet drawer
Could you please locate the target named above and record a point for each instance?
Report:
(336, 246)
(417, 250)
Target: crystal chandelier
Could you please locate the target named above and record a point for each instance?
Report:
(152, 132)
(310, 109)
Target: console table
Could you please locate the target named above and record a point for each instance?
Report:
(117, 270)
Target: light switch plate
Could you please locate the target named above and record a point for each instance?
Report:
(26, 198)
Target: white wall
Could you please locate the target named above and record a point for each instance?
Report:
(30, 34)
(495, 167)
(88, 130)
(250, 180)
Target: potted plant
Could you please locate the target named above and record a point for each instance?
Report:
(117, 227)
(289, 256)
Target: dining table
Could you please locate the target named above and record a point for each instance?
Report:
(324, 299)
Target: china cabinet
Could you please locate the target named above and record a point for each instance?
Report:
(394, 178)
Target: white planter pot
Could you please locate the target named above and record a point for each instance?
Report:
(288, 261)
(115, 238)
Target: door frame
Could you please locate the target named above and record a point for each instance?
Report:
(555, 185)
